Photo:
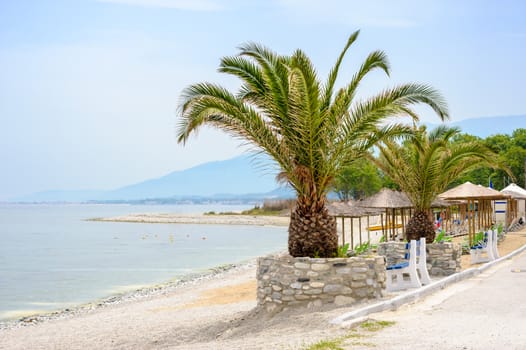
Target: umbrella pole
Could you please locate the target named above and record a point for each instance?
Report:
(343, 230)
(382, 223)
(360, 228)
(393, 223)
(368, 231)
(478, 213)
(352, 233)
(470, 231)
(403, 222)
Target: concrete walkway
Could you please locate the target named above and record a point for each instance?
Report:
(487, 311)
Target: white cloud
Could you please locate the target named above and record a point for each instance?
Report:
(191, 5)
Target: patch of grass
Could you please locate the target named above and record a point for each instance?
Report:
(261, 211)
(375, 326)
(326, 344)
(352, 337)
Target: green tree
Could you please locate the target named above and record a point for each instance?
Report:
(358, 180)
(425, 165)
(310, 128)
(511, 150)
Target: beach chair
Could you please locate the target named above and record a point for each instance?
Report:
(421, 263)
(483, 251)
(395, 273)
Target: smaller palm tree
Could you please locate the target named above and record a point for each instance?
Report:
(425, 164)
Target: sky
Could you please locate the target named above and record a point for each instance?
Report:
(89, 89)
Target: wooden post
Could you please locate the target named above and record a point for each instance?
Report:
(393, 223)
(368, 231)
(343, 230)
(478, 214)
(403, 221)
(360, 228)
(352, 234)
(383, 228)
(471, 220)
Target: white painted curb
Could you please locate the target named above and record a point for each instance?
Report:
(357, 316)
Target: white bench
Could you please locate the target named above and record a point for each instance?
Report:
(421, 263)
(486, 250)
(395, 273)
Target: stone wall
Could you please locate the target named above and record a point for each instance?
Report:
(443, 259)
(284, 281)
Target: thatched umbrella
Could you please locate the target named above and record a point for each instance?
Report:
(389, 200)
(475, 193)
(349, 210)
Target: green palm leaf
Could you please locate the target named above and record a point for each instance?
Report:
(310, 128)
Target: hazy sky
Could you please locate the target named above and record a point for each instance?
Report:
(89, 88)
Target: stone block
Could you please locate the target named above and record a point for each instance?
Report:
(302, 266)
(333, 288)
(314, 303)
(317, 284)
(341, 300)
(358, 277)
(296, 285)
(320, 267)
(358, 284)
(312, 292)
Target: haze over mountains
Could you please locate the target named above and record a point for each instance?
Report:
(241, 178)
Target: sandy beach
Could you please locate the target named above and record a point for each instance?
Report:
(230, 219)
(213, 312)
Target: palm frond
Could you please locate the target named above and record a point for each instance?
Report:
(333, 74)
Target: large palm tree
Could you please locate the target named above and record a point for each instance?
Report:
(308, 127)
(425, 164)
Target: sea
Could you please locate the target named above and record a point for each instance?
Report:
(52, 257)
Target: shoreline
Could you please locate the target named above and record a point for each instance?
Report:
(172, 218)
(132, 296)
(21, 318)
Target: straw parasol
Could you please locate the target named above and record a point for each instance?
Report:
(351, 210)
(475, 193)
(470, 191)
(389, 200)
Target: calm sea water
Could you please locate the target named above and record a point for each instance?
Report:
(52, 258)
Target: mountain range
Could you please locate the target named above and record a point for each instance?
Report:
(244, 178)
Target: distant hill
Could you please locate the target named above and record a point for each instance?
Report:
(237, 176)
(245, 177)
(242, 178)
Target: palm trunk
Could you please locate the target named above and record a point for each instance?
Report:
(312, 232)
(420, 226)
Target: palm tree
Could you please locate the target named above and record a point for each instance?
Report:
(425, 164)
(310, 129)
